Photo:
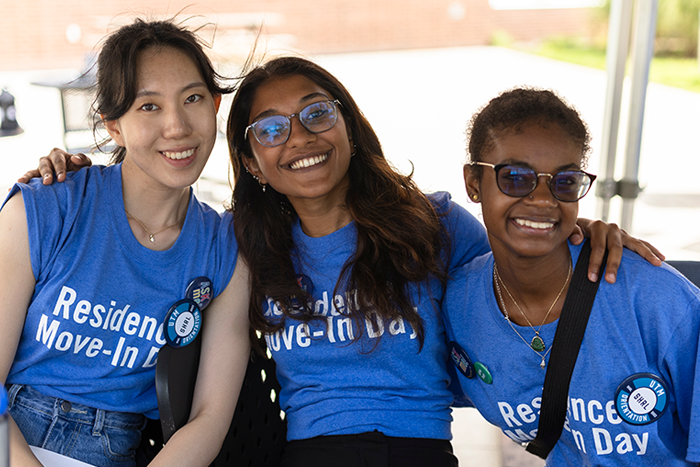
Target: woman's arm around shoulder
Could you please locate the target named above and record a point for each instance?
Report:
(609, 236)
(59, 162)
(222, 367)
(16, 289)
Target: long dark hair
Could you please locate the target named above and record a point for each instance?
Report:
(117, 70)
(400, 238)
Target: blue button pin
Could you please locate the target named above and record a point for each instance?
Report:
(182, 323)
(641, 399)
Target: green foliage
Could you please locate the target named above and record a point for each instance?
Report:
(681, 72)
(677, 26)
(501, 38)
(675, 61)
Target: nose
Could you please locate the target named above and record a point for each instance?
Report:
(542, 192)
(299, 135)
(177, 124)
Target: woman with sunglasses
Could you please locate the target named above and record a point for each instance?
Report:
(99, 272)
(348, 264)
(634, 397)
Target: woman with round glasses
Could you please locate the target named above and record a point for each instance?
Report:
(634, 397)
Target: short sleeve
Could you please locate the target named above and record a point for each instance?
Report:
(467, 236)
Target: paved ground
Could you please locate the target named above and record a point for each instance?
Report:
(419, 103)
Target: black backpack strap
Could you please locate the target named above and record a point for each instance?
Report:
(565, 347)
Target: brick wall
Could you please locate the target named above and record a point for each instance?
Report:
(35, 33)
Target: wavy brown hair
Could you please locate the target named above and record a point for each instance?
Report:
(400, 239)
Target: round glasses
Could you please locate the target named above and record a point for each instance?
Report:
(517, 181)
(274, 130)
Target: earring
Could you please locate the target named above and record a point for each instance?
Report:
(257, 179)
(475, 197)
(354, 150)
(532, 197)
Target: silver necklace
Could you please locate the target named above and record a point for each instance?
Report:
(496, 280)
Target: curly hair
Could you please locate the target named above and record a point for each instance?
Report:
(389, 258)
(514, 109)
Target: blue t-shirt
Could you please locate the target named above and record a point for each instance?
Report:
(331, 385)
(648, 322)
(94, 325)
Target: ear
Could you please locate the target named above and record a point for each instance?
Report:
(114, 131)
(472, 183)
(254, 169)
(217, 102)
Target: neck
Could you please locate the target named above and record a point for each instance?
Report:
(324, 215)
(319, 223)
(534, 283)
(151, 209)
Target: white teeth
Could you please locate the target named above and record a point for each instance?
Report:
(308, 162)
(534, 225)
(179, 155)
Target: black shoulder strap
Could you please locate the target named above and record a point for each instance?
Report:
(565, 348)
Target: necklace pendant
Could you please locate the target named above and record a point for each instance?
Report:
(542, 363)
(537, 344)
(150, 237)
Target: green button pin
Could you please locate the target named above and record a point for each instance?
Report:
(483, 373)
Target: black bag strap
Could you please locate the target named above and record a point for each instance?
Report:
(565, 347)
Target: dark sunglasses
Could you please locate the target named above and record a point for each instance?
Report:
(516, 181)
(274, 130)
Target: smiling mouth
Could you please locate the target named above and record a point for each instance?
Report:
(178, 155)
(534, 225)
(308, 162)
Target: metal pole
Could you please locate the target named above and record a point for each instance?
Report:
(642, 52)
(616, 56)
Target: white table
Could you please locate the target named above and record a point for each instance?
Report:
(51, 459)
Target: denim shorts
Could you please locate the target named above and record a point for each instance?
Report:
(94, 436)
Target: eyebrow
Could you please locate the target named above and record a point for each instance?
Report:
(193, 85)
(303, 100)
(561, 168)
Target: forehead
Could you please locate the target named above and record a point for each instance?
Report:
(166, 64)
(537, 145)
(286, 95)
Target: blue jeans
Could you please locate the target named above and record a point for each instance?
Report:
(95, 436)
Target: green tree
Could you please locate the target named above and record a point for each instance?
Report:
(677, 27)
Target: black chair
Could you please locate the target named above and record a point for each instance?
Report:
(258, 432)
(690, 269)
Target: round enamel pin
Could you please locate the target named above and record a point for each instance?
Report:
(305, 284)
(461, 359)
(483, 373)
(182, 323)
(641, 399)
(200, 290)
